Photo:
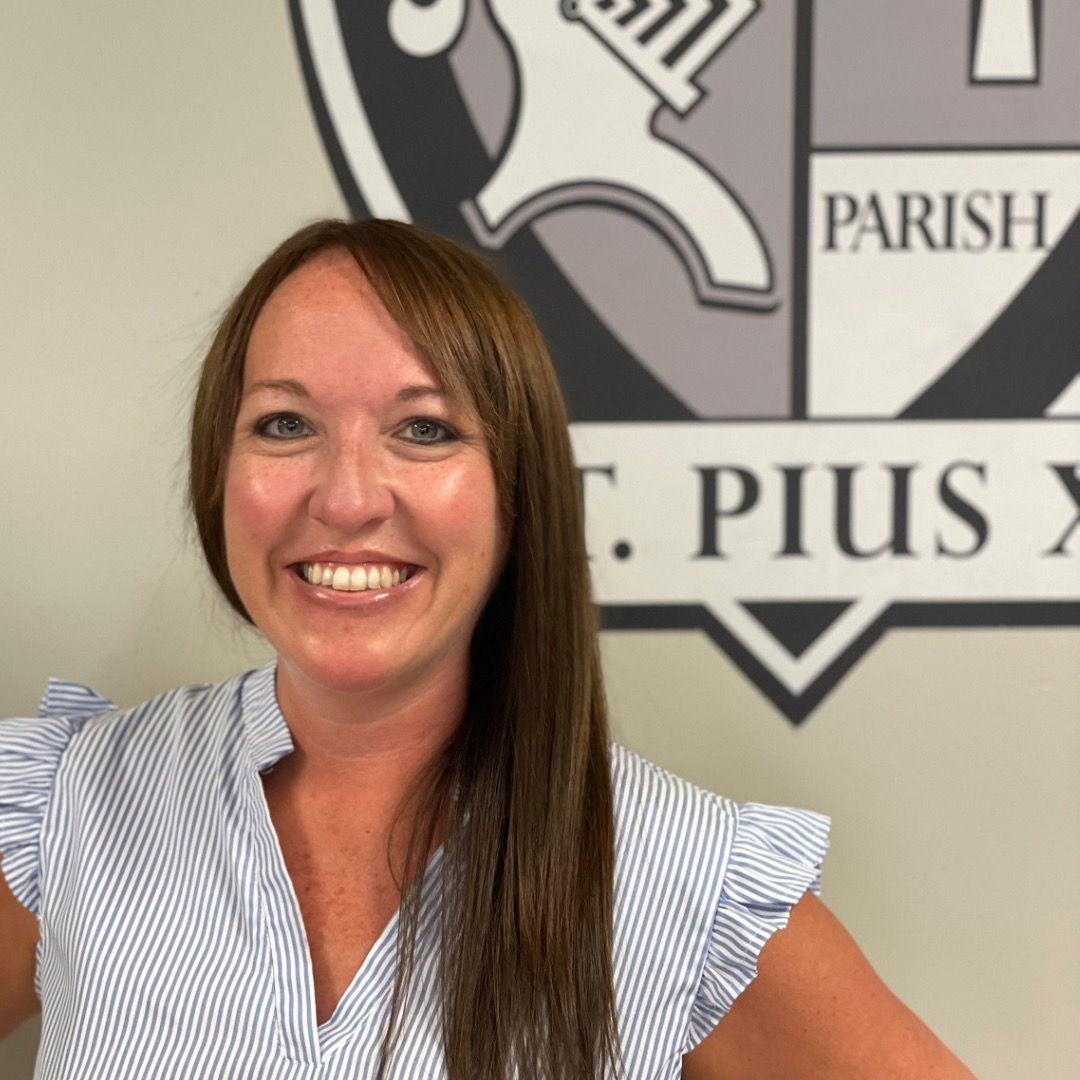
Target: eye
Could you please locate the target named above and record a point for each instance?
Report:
(282, 426)
(427, 432)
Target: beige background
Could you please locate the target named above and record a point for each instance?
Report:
(151, 154)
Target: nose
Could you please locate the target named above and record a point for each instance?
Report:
(351, 489)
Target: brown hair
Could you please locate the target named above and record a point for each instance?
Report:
(524, 788)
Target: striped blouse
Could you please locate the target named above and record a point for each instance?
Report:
(172, 943)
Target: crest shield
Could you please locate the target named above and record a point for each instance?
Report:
(806, 272)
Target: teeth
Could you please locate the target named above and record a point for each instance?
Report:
(355, 578)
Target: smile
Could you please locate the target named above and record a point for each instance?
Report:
(355, 578)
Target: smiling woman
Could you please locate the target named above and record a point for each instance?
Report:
(331, 467)
(407, 847)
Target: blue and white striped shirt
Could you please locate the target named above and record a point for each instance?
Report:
(172, 943)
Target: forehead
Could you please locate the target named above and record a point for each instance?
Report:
(326, 321)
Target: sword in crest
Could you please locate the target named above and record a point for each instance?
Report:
(592, 75)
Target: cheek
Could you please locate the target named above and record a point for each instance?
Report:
(257, 504)
(467, 514)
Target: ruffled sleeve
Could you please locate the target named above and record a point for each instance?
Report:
(775, 858)
(30, 753)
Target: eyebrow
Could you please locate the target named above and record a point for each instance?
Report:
(292, 386)
(418, 390)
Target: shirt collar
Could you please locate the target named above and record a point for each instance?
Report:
(269, 738)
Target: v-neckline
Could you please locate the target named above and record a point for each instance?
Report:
(367, 996)
(366, 999)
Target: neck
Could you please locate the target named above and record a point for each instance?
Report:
(368, 745)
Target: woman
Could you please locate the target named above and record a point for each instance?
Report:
(406, 848)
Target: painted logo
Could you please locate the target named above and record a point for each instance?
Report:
(808, 271)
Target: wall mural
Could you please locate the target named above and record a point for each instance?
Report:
(809, 274)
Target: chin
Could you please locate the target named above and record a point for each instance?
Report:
(352, 672)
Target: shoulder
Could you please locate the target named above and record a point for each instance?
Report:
(704, 881)
(157, 728)
(646, 794)
(79, 733)
(668, 816)
(80, 742)
(672, 838)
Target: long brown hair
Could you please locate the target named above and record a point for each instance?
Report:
(524, 788)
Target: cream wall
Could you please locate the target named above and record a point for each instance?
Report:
(151, 154)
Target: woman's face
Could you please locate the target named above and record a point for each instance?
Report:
(361, 520)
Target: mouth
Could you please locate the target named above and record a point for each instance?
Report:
(355, 577)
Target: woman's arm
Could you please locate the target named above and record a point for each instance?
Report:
(817, 1010)
(18, 945)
